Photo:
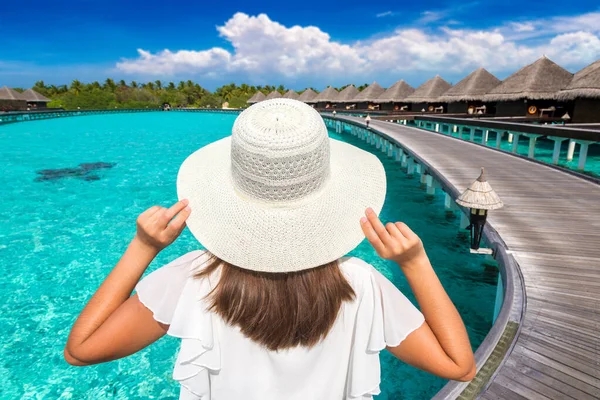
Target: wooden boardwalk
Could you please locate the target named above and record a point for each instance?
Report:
(551, 224)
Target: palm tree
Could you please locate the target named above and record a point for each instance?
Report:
(109, 84)
(181, 85)
(171, 86)
(122, 84)
(134, 84)
(158, 84)
(76, 87)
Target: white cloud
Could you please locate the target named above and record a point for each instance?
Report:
(268, 49)
(384, 14)
(522, 27)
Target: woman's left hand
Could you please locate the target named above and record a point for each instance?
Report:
(158, 227)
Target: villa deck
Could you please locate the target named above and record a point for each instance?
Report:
(551, 225)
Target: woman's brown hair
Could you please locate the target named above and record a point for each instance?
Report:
(279, 310)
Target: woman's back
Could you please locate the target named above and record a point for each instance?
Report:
(217, 361)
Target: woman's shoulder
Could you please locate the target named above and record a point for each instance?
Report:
(356, 270)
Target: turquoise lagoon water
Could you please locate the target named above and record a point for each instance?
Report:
(60, 238)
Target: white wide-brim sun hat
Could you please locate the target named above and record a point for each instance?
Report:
(279, 195)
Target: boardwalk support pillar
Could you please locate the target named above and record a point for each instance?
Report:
(532, 140)
(515, 144)
(571, 150)
(432, 184)
(410, 169)
(583, 150)
(557, 145)
(499, 135)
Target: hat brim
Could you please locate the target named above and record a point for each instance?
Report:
(269, 237)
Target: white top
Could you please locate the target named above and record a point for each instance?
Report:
(216, 362)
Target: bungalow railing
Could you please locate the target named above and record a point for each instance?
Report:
(480, 129)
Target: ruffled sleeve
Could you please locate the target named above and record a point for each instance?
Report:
(175, 298)
(385, 317)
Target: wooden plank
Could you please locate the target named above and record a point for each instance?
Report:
(550, 224)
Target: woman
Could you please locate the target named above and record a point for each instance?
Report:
(368, 120)
(272, 309)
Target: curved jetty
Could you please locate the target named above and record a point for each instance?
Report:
(551, 226)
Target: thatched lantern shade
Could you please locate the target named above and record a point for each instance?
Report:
(479, 197)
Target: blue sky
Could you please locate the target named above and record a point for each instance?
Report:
(308, 44)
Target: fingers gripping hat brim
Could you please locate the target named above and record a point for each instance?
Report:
(272, 237)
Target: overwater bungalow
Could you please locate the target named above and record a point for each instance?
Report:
(393, 99)
(274, 95)
(366, 100)
(258, 96)
(308, 96)
(290, 94)
(327, 98)
(346, 97)
(34, 99)
(11, 100)
(532, 91)
(584, 93)
(426, 97)
(467, 95)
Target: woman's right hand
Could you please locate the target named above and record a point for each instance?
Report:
(396, 242)
(158, 227)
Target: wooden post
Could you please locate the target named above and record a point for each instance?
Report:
(484, 136)
(472, 134)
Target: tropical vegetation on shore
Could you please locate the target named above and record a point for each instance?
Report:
(122, 94)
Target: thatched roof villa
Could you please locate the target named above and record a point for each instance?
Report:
(394, 97)
(290, 94)
(584, 91)
(308, 96)
(426, 96)
(34, 99)
(532, 90)
(366, 99)
(467, 95)
(274, 95)
(326, 98)
(346, 97)
(258, 96)
(11, 100)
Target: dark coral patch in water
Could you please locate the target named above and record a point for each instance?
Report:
(83, 171)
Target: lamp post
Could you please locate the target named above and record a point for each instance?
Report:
(479, 198)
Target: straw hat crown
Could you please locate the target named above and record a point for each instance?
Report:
(279, 151)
